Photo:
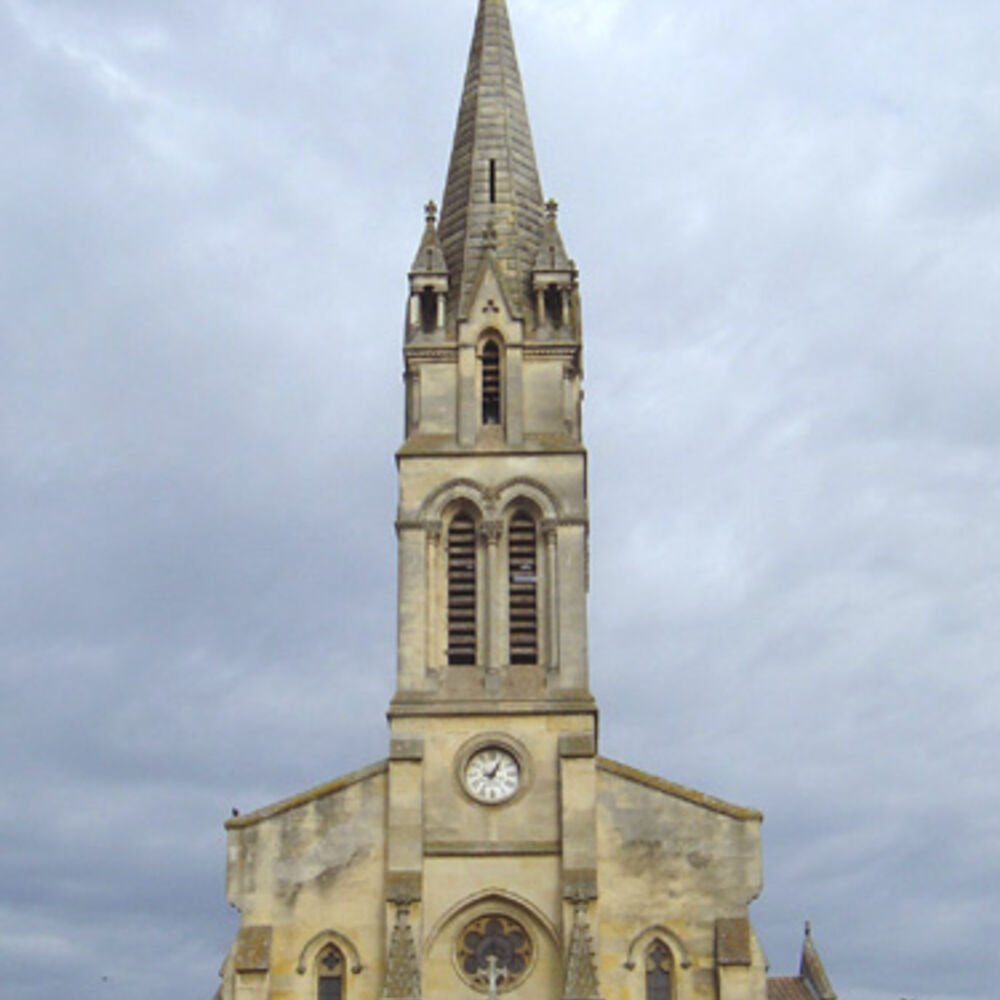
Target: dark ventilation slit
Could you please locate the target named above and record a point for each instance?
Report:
(493, 182)
(428, 310)
(462, 592)
(554, 305)
(522, 560)
(491, 383)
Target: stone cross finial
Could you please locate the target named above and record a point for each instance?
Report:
(495, 974)
(552, 208)
(431, 211)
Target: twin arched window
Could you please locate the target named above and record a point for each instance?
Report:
(522, 586)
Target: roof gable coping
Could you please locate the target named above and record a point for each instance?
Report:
(307, 798)
(677, 791)
(489, 305)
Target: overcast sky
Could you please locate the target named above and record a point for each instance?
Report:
(787, 219)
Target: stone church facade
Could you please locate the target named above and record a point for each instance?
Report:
(494, 851)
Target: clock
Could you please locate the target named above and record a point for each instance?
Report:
(492, 775)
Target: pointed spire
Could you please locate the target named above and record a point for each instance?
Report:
(429, 259)
(492, 177)
(811, 969)
(551, 254)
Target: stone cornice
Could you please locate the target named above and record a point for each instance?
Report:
(566, 349)
(478, 848)
(435, 704)
(436, 354)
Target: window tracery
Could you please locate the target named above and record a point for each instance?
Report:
(330, 974)
(659, 972)
(494, 952)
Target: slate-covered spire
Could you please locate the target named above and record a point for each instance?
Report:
(492, 178)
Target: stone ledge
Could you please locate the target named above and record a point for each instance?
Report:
(407, 748)
(474, 848)
(577, 745)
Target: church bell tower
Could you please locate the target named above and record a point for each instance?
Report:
(493, 851)
(493, 501)
(493, 724)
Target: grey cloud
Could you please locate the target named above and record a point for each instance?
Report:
(786, 222)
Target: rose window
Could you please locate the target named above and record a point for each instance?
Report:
(494, 951)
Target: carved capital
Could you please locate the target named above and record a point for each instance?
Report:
(435, 532)
(491, 532)
(580, 887)
(404, 889)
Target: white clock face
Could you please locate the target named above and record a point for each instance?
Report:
(492, 775)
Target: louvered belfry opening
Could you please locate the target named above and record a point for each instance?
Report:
(522, 561)
(491, 382)
(462, 591)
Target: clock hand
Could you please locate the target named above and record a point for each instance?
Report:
(493, 773)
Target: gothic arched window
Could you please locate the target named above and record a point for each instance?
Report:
(490, 388)
(462, 636)
(330, 974)
(522, 574)
(659, 972)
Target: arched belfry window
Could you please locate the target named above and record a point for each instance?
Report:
(659, 972)
(490, 389)
(330, 974)
(522, 568)
(462, 639)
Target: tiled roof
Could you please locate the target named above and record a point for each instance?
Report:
(788, 988)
